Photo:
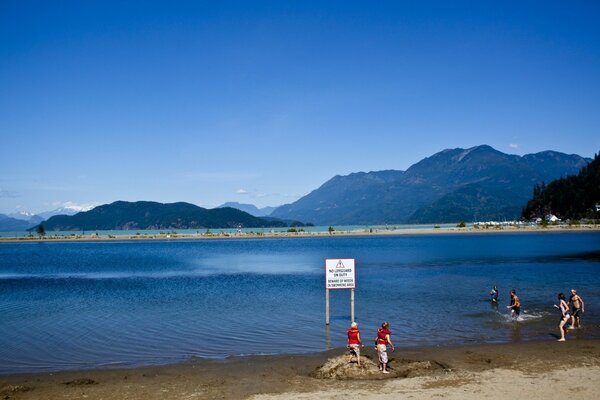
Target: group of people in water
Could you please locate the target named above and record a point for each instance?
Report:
(572, 314)
(515, 303)
(570, 311)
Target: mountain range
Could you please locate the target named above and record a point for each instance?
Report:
(475, 184)
(21, 221)
(11, 224)
(250, 208)
(68, 209)
(122, 215)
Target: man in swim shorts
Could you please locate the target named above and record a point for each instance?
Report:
(578, 308)
(515, 304)
(382, 340)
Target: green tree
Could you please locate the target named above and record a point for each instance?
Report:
(570, 197)
(41, 230)
(331, 229)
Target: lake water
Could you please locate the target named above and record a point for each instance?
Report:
(85, 305)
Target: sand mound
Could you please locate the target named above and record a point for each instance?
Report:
(340, 368)
(7, 390)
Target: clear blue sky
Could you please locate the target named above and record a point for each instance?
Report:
(262, 102)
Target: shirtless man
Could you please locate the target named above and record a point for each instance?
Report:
(515, 304)
(578, 309)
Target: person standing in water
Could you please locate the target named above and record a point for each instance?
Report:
(354, 342)
(515, 304)
(382, 340)
(565, 316)
(494, 295)
(578, 308)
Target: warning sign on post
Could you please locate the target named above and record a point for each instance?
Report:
(340, 273)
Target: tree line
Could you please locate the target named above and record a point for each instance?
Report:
(573, 197)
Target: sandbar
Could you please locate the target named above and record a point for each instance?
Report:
(265, 234)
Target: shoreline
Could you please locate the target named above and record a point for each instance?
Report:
(277, 235)
(447, 370)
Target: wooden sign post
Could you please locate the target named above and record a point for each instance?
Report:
(352, 304)
(340, 273)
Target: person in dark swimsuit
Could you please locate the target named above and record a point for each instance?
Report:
(494, 295)
(564, 315)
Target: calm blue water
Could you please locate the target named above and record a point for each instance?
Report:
(85, 305)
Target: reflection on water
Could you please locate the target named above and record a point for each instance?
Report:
(83, 305)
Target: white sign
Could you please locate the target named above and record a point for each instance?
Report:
(340, 273)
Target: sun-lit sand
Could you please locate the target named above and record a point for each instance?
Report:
(532, 370)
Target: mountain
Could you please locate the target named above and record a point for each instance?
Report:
(21, 215)
(479, 183)
(122, 215)
(22, 221)
(571, 197)
(249, 208)
(31, 218)
(66, 210)
(18, 222)
(9, 224)
(344, 199)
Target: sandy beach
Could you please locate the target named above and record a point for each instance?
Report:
(547, 369)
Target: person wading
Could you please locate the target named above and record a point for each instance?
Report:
(565, 316)
(515, 304)
(578, 308)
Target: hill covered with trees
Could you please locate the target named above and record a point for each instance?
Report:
(572, 197)
(122, 215)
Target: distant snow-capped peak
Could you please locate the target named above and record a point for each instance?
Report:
(68, 208)
(75, 208)
(21, 215)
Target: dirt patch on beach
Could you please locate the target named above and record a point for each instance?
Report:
(341, 368)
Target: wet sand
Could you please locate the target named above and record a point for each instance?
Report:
(532, 370)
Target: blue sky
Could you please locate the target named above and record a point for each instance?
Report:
(263, 101)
